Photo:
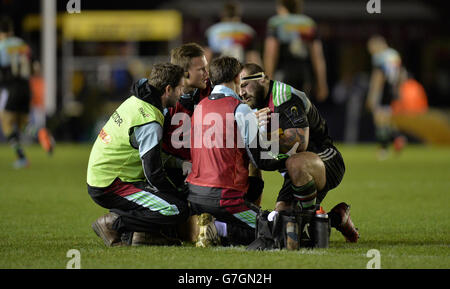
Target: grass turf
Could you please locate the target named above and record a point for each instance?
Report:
(400, 205)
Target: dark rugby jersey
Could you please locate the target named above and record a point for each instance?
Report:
(15, 61)
(294, 32)
(389, 62)
(296, 111)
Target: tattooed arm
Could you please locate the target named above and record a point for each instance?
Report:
(289, 137)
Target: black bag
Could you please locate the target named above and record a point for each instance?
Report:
(291, 229)
(281, 233)
(285, 231)
(264, 239)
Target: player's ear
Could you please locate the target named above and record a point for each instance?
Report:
(263, 80)
(168, 89)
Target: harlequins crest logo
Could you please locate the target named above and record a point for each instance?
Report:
(294, 110)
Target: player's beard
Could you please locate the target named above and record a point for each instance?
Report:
(259, 99)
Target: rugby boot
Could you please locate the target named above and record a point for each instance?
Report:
(340, 219)
(208, 235)
(21, 163)
(103, 228)
(399, 143)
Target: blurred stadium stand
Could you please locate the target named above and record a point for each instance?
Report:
(95, 75)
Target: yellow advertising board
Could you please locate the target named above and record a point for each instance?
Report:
(155, 25)
(131, 25)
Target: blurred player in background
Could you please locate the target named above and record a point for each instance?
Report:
(315, 166)
(125, 172)
(20, 87)
(37, 127)
(293, 51)
(15, 96)
(384, 88)
(232, 37)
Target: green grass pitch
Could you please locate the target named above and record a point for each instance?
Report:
(400, 205)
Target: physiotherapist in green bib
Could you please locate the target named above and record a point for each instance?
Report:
(125, 172)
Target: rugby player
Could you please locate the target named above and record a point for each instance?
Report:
(232, 37)
(15, 94)
(316, 166)
(177, 121)
(384, 88)
(293, 50)
(16, 83)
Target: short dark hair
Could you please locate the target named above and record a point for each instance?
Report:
(6, 25)
(293, 6)
(231, 9)
(224, 69)
(164, 74)
(182, 55)
(252, 68)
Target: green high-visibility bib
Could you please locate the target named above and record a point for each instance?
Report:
(113, 155)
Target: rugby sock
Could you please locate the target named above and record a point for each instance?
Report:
(19, 152)
(45, 140)
(384, 136)
(14, 140)
(306, 194)
(221, 228)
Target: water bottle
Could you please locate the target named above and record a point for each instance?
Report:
(321, 229)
